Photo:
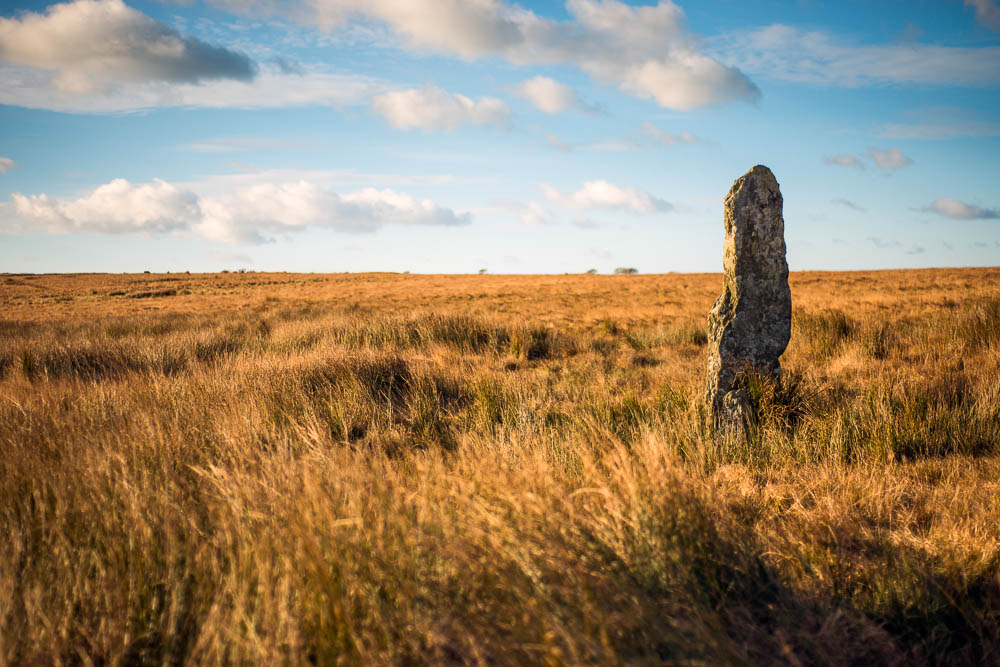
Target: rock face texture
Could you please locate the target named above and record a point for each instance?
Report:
(751, 322)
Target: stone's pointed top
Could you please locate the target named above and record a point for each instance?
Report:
(760, 176)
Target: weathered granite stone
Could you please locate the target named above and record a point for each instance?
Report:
(751, 322)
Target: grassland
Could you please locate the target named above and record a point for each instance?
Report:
(400, 469)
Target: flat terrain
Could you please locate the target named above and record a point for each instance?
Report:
(383, 468)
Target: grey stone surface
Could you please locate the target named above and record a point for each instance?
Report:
(751, 322)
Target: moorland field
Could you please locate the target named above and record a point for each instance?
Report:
(400, 469)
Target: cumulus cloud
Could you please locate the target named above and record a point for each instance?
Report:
(549, 95)
(957, 210)
(889, 159)
(431, 108)
(89, 45)
(605, 195)
(987, 13)
(6, 164)
(815, 57)
(646, 51)
(843, 160)
(253, 214)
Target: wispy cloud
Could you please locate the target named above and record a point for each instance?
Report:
(431, 108)
(882, 244)
(847, 203)
(216, 184)
(668, 139)
(6, 164)
(552, 141)
(605, 195)
(957, 210)
(254, 214)
(228, 144)
(987, 13)
(940, 130)
(815, 57)
(535, 214)
(621, 145)
(844, 160)
(531, 213)
(271, 88)
(940, 123)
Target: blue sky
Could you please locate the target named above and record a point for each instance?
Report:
(456, 135)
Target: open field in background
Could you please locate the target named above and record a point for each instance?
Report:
(488, 469)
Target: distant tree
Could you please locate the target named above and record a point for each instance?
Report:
(624, 270)
(483, 271)
(591, 271)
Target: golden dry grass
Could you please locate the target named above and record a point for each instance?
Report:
(359, 469)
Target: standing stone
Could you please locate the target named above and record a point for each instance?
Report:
(751, 322)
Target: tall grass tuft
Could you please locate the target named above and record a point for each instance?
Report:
(382, 470)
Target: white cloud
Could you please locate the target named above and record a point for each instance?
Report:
(253, 214)
(687, 81)
(844, 160)
(90, 45)
(431, 108)
(646, 51)
(952, 208)
(889, 159)
(987, 13)
(6, 164)
(604, 195)
(549, 95)
(114, 208)
(814, 57)
(272, 88)
(668, 139)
